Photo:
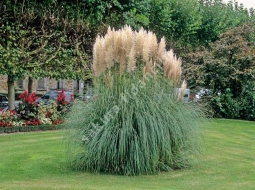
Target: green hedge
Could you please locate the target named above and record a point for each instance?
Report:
(29, 128)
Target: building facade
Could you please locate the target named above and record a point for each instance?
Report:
(41, 86)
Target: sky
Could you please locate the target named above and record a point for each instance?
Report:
(246, 3)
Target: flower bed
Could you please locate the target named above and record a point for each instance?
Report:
(33, 116)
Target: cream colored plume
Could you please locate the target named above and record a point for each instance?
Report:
(117, 44)
(125, 47)
(131, 60)
(153, 46)
(182, 90)
(168, 59)
(109, 49)
(161, 49)
(140, 38)
(99, 64)
(128, 39)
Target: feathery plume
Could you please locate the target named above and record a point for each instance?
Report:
(117, 44)
(122, 64)
(131, 60)
(97, 57)
(153, 46)
(109, 51)
(182, 90)
(161, 49)
(178, 69)
(129, 39)
(125, 46)
(100, 52)
(139, 42)
(124, 42)
(146, 49)
(168, 59)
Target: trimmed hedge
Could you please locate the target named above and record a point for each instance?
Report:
(29, 128)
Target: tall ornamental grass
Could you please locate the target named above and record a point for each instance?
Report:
(136, 122)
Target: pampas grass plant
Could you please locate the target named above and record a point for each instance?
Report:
(136, 124)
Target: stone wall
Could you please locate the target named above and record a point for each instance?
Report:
(3, 84)
(71, 85)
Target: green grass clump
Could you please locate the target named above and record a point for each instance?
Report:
(133, 129)
(137, 123)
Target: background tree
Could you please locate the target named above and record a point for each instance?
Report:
(40, 45)
(217, 17)
(227, 67)
(183, 23)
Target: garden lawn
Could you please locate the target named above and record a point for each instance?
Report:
(36, 160)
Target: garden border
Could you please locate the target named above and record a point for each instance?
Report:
(30, 128)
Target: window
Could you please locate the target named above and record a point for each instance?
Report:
(76, 86)
(61, 84)
(42, 84)
(3, 98)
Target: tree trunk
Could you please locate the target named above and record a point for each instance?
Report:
(30, 85)
(11, 93)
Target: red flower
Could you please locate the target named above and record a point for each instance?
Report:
(23, 96)
(33, 96)
(34, 122)
(61, 98)
(57, 121)
(5, 124)
(72, 97)
(12, 112)
(48, 114)
(30, 100)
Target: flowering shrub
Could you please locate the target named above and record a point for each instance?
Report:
(48, 113)
(5, 124)
(28, 99)
(61, 98)
(7, 118)
(18, 123)
(28, 108)
(46, 121)
(61, 101)
(31, 113)
(33, 122)
(9, 115)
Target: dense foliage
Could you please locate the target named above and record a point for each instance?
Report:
(228, 69)
(183, 23)
(33, 39)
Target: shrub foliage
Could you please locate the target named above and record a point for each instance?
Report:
(228, 69)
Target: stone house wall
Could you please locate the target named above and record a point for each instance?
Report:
(41, 86)
(3, 84)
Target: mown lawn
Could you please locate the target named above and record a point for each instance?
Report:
(36, 160)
